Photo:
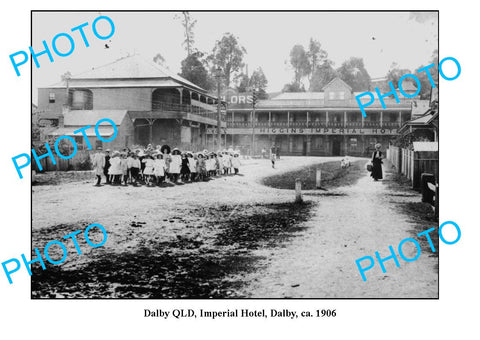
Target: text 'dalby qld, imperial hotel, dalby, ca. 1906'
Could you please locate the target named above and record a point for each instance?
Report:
(150, 104)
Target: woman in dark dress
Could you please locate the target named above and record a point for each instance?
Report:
(185, 169)
(377, 163)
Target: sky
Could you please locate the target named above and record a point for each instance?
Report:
(380, 38)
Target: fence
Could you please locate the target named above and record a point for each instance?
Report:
(412, 163)
(81, 161)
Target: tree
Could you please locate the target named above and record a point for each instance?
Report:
(322, 76)
(259, 81)
(300, 63)
(316, 56)
(243, 82)
(353, 72)
(228, 55)
(293, 87)
(159, 59)
(194, 70)
(188, 24)
(65, 76)
(395, 73)
(423, 77)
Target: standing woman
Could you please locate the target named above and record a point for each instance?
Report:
(377, 163)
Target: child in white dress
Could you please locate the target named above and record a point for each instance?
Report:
(236, 163)
(159, 168)
(175, 164)
(148, 172)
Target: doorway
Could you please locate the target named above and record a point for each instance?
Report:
(336, 147)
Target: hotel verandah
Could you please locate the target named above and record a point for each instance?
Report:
(327, 123)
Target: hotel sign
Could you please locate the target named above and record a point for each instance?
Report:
(307, 131)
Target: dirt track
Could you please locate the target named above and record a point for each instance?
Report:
(230, 237)
(362, 219)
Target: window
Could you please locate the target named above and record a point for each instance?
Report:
(51, 97)
(98, 144)
(79, 142)
(331, 95)
(341, 95)
(81, 99)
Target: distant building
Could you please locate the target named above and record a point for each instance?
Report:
(327, 123)
(148, 103)
(423, 127)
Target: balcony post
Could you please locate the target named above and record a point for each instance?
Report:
(326, 118)
(400, 119)
(381, 119)
(190, 100)
(269, 119)
(308, 119)
(344, 119)
(363, 121)
(288, 119)
(180, 90)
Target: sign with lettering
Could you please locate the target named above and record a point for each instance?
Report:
(308, 131)
(240, 98)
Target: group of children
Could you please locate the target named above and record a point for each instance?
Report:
(155, 166)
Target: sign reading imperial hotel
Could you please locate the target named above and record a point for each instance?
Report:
(327, 123)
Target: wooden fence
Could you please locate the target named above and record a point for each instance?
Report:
(81, 161)
(412, 164)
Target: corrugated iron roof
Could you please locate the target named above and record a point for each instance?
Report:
(300, 96)
(337, 79)
(119, 83)
(91, 117)
(131, 68)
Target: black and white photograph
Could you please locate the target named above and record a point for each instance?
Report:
(235, 154)
(221, 170)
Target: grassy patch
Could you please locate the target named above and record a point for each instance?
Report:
(332, 176)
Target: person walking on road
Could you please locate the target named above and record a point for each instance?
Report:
(273, 157)
(98, 166)
(107, 166)
(377, 163)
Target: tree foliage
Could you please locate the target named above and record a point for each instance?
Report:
(353, 72)
(322, 76)
(188, 24)
(194, 69)
(228, 55)
(316, 56)
(66, 75)
(293, 87)
(300, 63)
(258, 80)
(395, 73)
(312, 63)
(423, 77)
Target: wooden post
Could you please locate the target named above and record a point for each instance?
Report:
(436, 201)
(298, 190)
(319, 178)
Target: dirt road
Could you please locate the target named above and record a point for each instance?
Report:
(362, 219)
(230, 237)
